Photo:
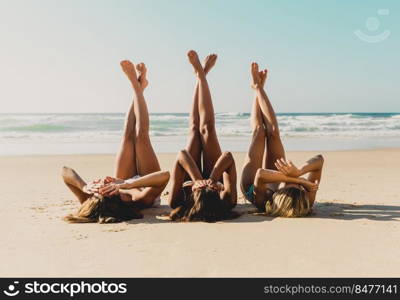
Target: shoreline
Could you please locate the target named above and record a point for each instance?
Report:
(174, 153)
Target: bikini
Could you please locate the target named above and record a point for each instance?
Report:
(250, 196)
(156, 202)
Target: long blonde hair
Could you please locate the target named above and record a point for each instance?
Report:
(99, 209)
(288, 202)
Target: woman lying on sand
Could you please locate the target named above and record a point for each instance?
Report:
(138, 181)
(269, 181)
(211, 193)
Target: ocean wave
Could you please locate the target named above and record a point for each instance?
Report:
(96, 127)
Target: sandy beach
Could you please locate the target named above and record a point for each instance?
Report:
(353, 232)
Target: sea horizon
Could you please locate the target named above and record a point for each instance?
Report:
(100, 133)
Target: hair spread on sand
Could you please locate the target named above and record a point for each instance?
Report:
(203, 205)
(288, 202)
(99, 209)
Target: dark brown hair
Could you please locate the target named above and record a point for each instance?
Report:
(99, 209)
(203, 205)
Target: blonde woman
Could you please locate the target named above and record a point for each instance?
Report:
(138, 179)
(270, 181)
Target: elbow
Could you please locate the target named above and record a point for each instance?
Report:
(228, 155)
(258, 178)
(165, 175)
(320, 159)
(173, 203)
(182, 154)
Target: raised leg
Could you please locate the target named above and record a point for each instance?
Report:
(254, 157)
(126, 158)
(146, 159)
(75, 183)
(194, 146)
(274, 144)
(211, 147)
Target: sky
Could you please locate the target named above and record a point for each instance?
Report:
(63, 56)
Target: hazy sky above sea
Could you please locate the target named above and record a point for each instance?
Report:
(63, 56)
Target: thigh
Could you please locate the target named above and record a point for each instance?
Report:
(275, 150)
(211, 151)
(194, 146)
(126, 161)
(146, 158)
(176, 195)
(254, 159)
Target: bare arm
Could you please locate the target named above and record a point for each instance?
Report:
(264, 176)
(222, 164)
(189, 165)
(225, 166)
(155, 179)
(154, 183)
(314, 164)
(268, 113)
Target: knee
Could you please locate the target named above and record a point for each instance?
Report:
(259, 132)
(207, 128)
(194, 130)
(142, 133)
(273, 132)
(129, 135)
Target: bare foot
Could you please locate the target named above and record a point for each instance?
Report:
(263, 77)
(256, 76)
(142, 70)
(129, 69)
(209, 62)
(194, 60)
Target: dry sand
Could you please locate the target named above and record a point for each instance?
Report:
(354, 231)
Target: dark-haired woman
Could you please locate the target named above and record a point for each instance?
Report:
(203, 178)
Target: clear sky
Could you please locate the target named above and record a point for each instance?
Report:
(63, 56)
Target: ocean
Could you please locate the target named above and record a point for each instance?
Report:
(26, 134)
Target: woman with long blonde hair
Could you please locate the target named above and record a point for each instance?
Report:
(270, 181)
(138, 180)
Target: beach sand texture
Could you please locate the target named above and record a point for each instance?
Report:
(354, 231)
